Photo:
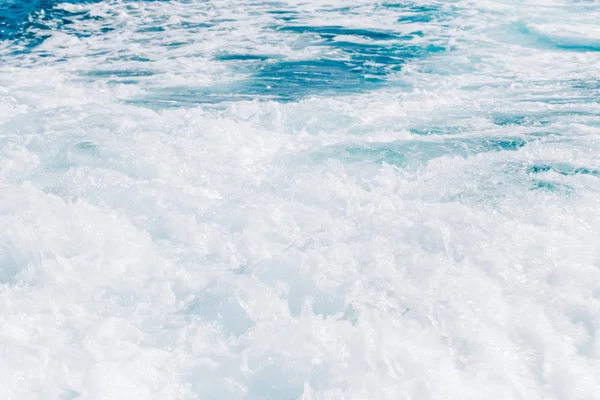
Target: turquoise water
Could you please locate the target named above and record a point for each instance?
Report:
(299, 199)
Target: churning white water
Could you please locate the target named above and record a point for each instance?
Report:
(300, 199)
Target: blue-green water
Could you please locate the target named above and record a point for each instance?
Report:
(299, 199)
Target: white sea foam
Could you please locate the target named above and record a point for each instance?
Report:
(436, 238)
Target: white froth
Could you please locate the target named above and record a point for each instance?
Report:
(248, 251)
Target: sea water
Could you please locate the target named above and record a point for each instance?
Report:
(300, 199)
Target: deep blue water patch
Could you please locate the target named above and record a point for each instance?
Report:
(351, 66)
(356, 67)
(241, 57)
(14, 15)
(329, 32)
(354, 60)
(421, 14)
(290, 80)
(27, 23)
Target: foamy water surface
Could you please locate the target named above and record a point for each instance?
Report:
(300, 199)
